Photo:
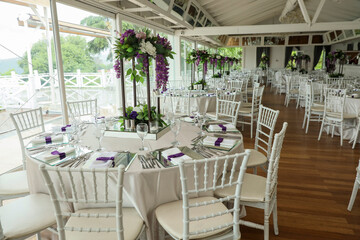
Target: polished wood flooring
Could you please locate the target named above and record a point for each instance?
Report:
(315, 182)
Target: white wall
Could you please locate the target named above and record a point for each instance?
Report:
(277, 57)
(249, 57)
(343, 45)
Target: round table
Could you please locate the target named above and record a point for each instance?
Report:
(144, 189)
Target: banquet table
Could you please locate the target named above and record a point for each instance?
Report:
(144, 189)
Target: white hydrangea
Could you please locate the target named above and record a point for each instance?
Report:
(147, 47)
(218, 57)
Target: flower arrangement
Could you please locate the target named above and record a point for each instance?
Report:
(264, 62)
(142, 46)
(198, 56)
(331, 59)
(140, 115)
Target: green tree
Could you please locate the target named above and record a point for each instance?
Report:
(74, 53)
(97, 45)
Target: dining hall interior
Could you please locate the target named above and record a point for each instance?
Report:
(179, 119)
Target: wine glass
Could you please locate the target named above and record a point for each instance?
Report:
(100, 128)
(175, 128)
(142, 131)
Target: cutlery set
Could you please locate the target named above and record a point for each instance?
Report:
(148, 162)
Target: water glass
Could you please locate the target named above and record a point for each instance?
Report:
(175, 128)
(142, 131)
(99, 133)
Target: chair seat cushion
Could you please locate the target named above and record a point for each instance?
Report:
(317, 108)
(246, 105)
(211, 114)
(294, 91)
(246, 110)
(27, 215)
(337, 115)
(132, 223)
(253, 188)
(14, 183)
(170, 217)
(256, 158)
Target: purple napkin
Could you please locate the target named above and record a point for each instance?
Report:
(219, 141)
(222, 127)
(175, 156)
(48, 140)
(62, 155)
(63, 129)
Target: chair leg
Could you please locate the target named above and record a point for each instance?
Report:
(266, 226)
(321, 129)
(305, 116)
(353, 195)
(341, 134)
(38, 236)
(332, 131)
(275, 219)
(355, 138)
(251, 127)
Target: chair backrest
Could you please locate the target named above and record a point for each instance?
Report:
(334, 102)
(228, 110)
(27, 124)
(81, 186)
(334, 82)
(201, 176)
(180, 101)
(272, 172)
(265, 129)
(227, 95)
(82, 108)
(256, 97)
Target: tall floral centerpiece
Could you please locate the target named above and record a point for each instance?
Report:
(331, 59)
(195, 57)
(264, 62)
(143, 47)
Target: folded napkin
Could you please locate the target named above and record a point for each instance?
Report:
(47, 139)
(64, 129)
(189, 119)
(101, 160)
(60, 153)
(222, 127)
(219, 142)
(174, 155)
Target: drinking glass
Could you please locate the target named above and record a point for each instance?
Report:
(142, 131)
(100, 128)
(175, 128)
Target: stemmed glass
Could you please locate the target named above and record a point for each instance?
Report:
(142, 131)
(100, 128)
(175, 128)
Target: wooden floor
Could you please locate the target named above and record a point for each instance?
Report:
(315, 182)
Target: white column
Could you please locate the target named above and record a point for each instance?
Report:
(49, 53)
(59, 61)
(177, 47)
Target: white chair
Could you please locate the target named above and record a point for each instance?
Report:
(356, 133)
(78, 109)
(205, 217)
(292, 89)
(25, 217)
(355, 188)
(227, 111)
(334, 115)
(279, 83)
(252, 112)
(99, 213)
(261, 192)
(312, 112)
(266, 122)
(28, 124)
(334, 82)
(302, 91)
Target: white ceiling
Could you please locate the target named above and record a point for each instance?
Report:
(249, 12)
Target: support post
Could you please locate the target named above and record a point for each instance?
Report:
(134, 81)
(122, 83)
(148, 93)
(49, 53)
(59, 61)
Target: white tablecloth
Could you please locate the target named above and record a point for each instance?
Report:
(144, 189)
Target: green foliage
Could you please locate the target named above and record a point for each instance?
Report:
(7, 73)
(74, 53)
(97, 44)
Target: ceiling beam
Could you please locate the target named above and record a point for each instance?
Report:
(269, 28)
(318, 10)
(304, 11)
(140, 9)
